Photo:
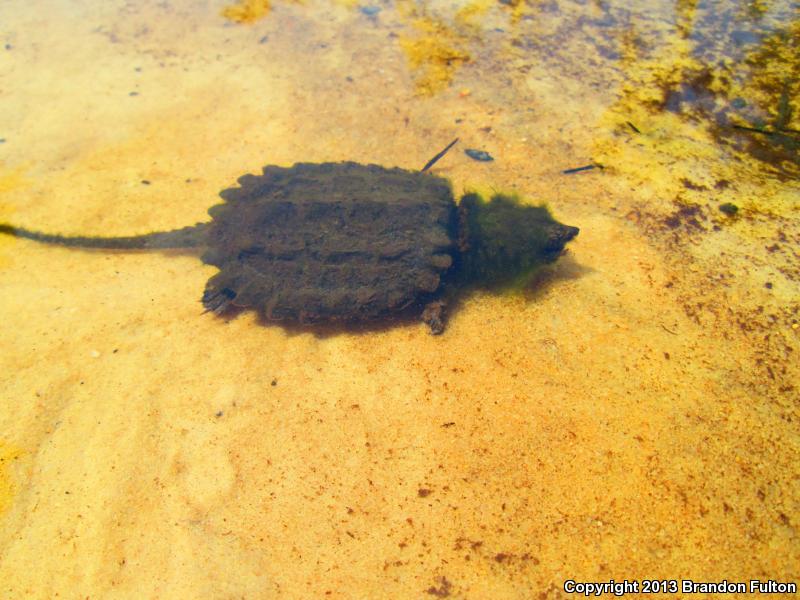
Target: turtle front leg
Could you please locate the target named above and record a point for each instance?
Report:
(433, 316)
(217, 301)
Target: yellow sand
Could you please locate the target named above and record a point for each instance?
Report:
(634, 416)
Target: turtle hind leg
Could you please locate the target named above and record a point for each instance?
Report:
(433, 316)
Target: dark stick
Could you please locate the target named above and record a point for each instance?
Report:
(579, 169)
(776, 131)
(753, 129)
(432, 161)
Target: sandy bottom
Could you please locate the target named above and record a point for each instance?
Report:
(635, 415)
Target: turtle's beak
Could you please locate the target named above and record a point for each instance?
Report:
(558, 238)
(569, 233)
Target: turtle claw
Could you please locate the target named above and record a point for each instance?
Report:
(433, 316)
(217, 301)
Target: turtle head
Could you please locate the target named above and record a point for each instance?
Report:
(557, 237)
(503, 239)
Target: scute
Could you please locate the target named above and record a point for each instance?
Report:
(331, 241)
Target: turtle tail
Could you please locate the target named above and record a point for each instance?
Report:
(187, 237)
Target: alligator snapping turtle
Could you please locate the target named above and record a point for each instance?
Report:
(350, 242)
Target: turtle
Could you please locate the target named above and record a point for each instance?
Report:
(347, 242)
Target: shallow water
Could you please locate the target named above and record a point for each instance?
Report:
(632, 415)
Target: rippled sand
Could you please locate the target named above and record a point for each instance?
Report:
(634, 415)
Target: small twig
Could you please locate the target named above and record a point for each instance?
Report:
(777, 131)
(432, 161)
(664, 327)
(583, 168)
(634, 127)
(753, 129)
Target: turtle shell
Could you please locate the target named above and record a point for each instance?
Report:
(331, 241)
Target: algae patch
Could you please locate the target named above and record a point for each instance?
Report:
(744, 95)
(709, 113)
(247, 11)
(434, 55)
